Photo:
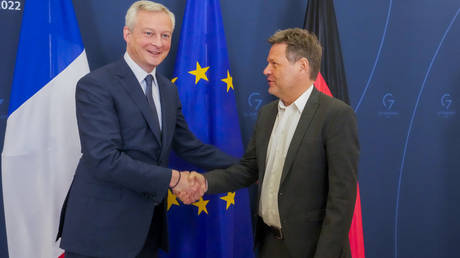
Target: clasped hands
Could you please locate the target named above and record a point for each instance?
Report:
(190, 187)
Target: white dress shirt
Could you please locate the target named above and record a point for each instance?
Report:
(280, 140)
(140, 76)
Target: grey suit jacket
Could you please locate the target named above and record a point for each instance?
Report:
(318, 184)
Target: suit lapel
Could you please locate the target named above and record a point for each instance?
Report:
(133, 89)
(302, 127)
(166, 112)
(267, 121)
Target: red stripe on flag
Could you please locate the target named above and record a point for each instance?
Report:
(321, 85)
(356, 230)
(62, 255)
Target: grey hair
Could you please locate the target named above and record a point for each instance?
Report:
(131, 14)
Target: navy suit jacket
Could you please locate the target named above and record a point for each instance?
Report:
(122, 173)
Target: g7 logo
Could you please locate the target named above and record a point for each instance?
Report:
(446, 101)
(388, 101)
(254, 100)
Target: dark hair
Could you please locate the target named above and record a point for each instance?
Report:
(300, 43)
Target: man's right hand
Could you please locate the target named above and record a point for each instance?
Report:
(189, 187)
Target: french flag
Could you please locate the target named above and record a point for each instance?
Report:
(42, 146)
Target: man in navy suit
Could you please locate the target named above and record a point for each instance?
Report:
(129, 119)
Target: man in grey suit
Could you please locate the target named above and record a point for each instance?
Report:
(303, 153)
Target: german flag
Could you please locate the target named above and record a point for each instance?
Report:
(320, 19)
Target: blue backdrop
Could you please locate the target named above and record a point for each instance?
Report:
(401, 59)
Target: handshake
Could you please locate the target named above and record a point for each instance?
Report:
(189, 186)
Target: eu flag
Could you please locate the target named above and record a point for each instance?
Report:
(216, 226)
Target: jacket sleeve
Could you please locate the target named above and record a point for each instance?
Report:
(194, 151)
(242, 174)
(342, 150)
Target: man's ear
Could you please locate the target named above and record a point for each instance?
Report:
(304, 65)
(126, 32)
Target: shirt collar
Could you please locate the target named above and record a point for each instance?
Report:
(137, 70)
(300, 102)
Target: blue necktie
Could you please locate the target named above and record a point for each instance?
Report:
(148, 93)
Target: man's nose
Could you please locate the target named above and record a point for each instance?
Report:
(156, 40)
(267, 70)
